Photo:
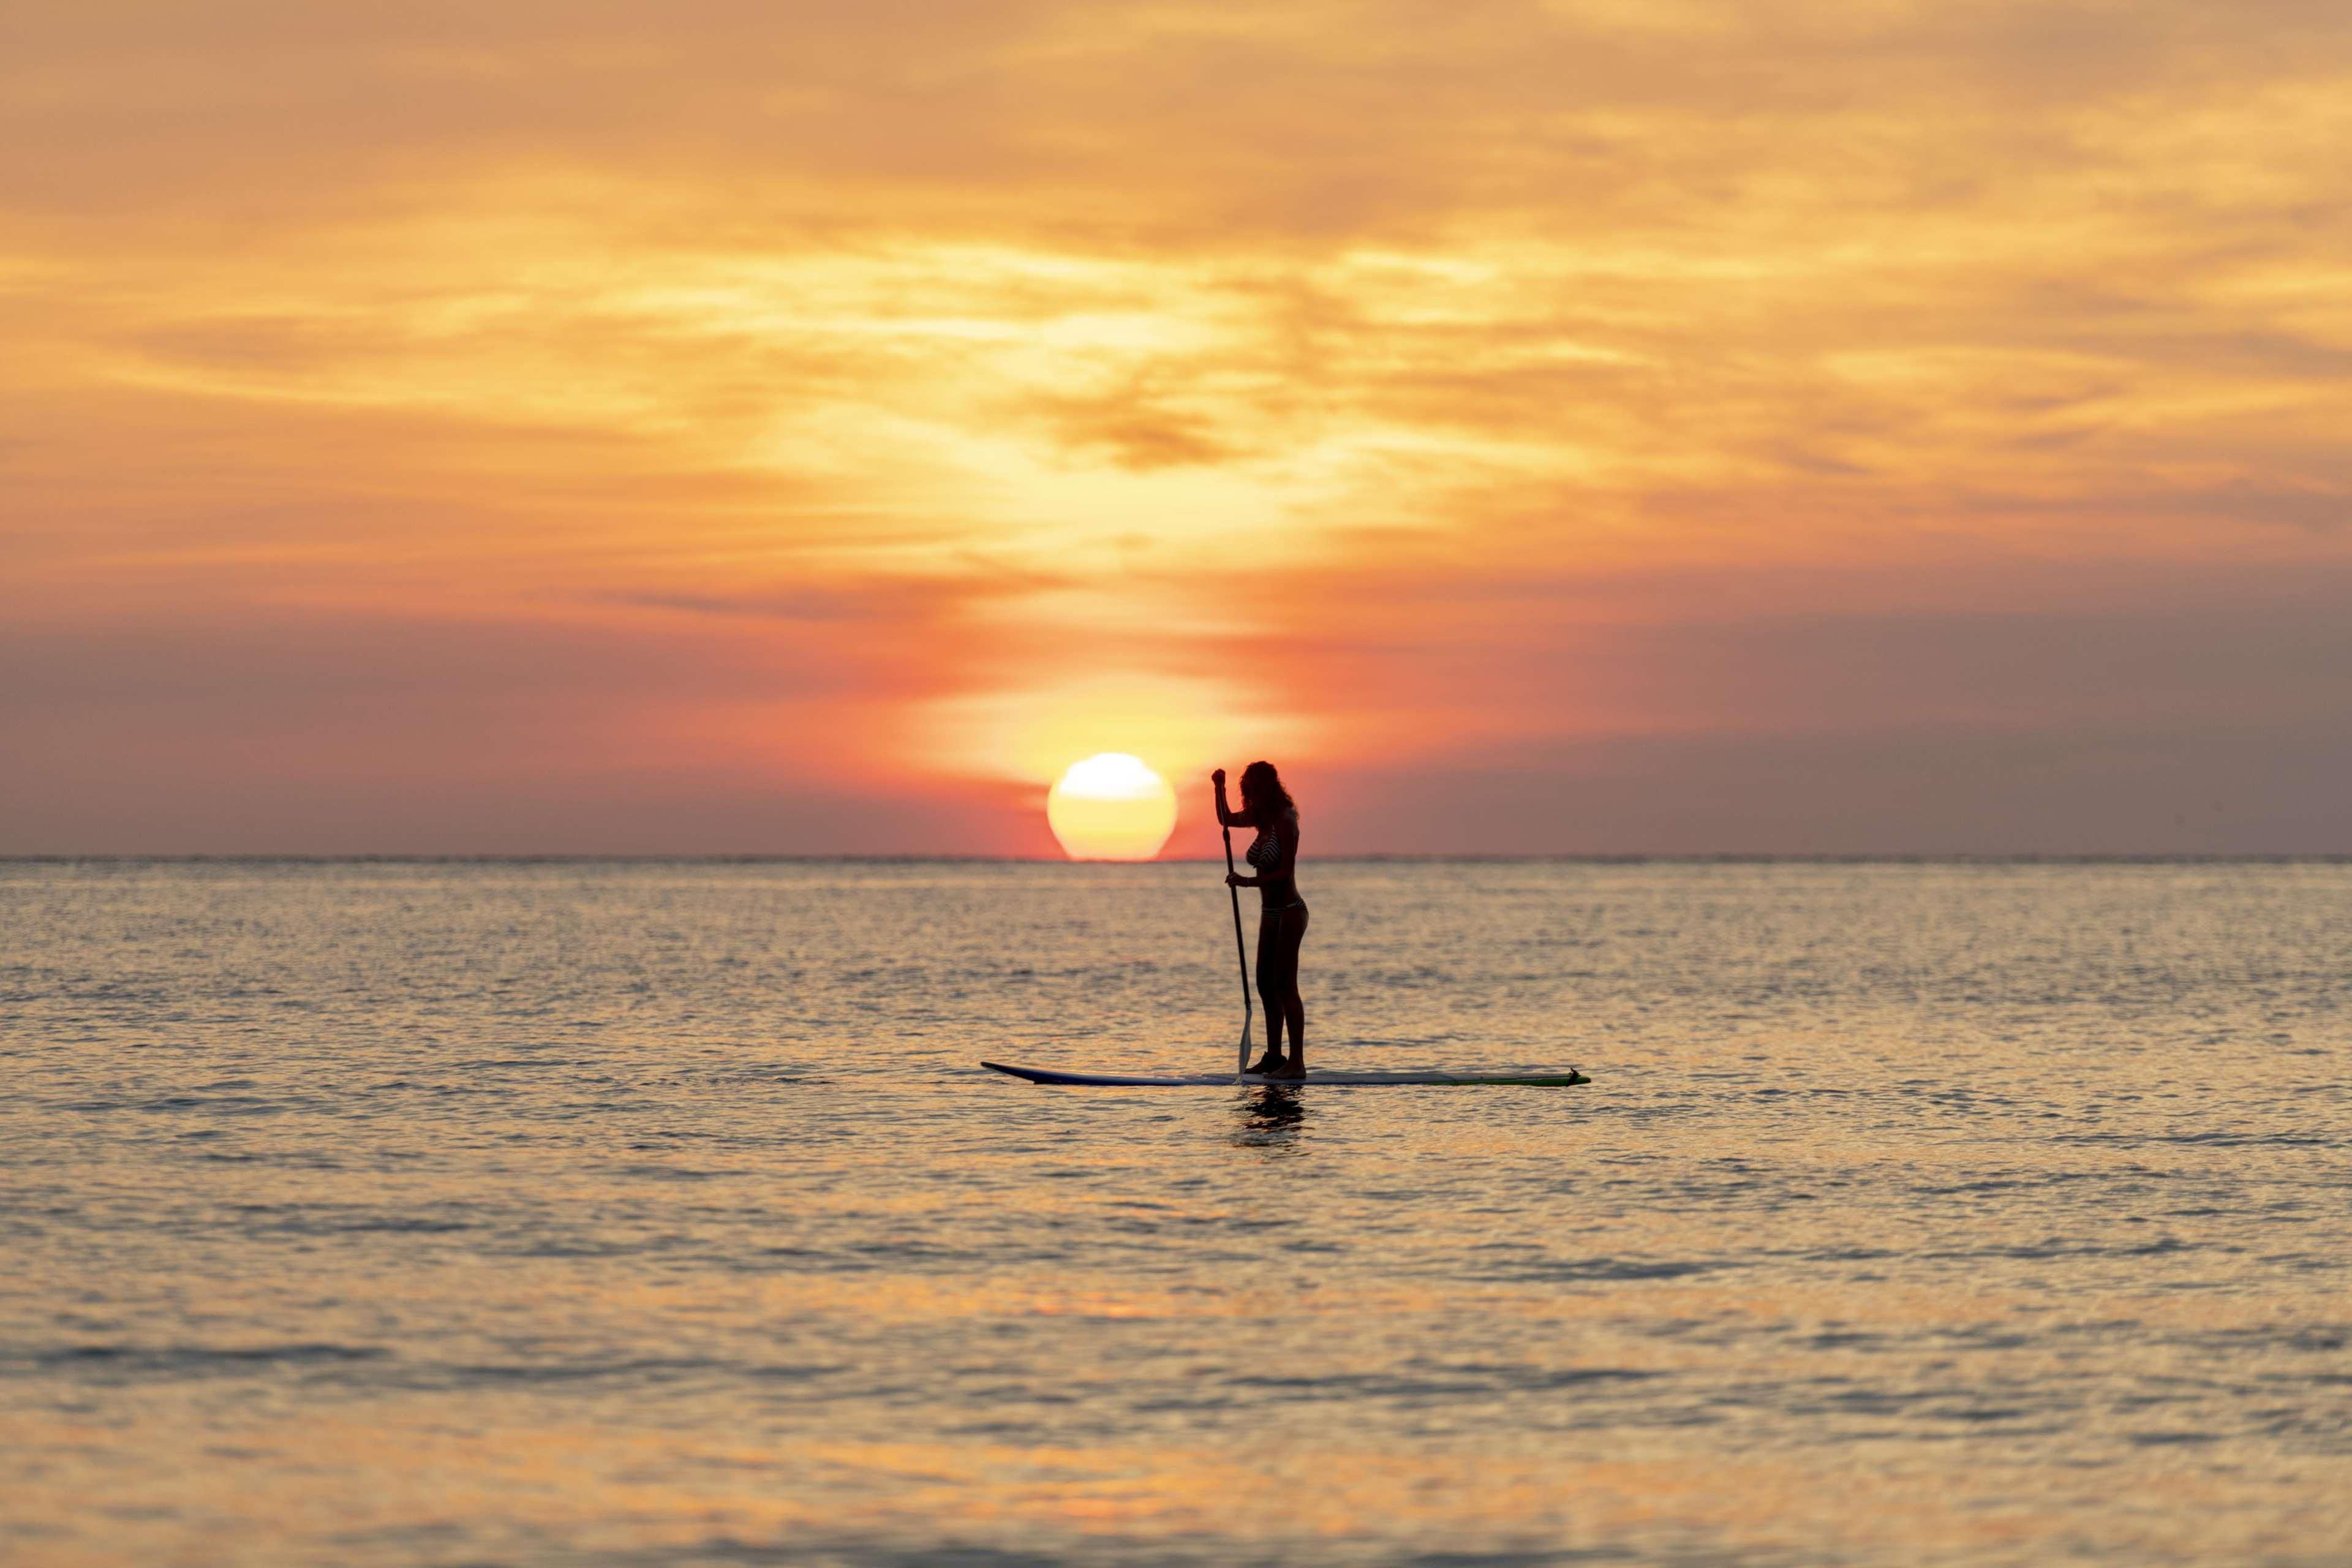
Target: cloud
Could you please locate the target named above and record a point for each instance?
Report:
(1401, 378)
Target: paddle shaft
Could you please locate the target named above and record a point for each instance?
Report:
(1240, 953)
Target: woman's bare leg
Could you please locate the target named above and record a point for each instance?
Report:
(1269, 995)
(1280, 988)
(1273, 990)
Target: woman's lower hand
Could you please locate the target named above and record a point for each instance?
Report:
(1235, 880)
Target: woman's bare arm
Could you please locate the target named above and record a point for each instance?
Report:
(1226, 816)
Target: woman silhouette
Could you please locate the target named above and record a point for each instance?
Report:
(1282, 914)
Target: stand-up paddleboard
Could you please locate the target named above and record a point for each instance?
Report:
(1253, 1080)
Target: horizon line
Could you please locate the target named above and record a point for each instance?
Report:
(1954, 858)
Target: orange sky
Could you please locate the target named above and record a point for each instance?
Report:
(725, 426)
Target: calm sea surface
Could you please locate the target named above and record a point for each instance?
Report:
(657, 1213)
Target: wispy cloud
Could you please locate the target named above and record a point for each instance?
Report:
(941, 385)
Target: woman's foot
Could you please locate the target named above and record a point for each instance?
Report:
(1268, 1064)
(1294, 1066)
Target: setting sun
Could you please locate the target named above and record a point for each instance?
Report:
(1111, 808)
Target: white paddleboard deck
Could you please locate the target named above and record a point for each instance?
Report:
(1253, 1080)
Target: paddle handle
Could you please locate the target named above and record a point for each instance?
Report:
(1241, 953)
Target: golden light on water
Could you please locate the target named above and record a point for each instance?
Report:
(1111, 808)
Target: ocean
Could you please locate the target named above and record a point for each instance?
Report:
(648, 1213)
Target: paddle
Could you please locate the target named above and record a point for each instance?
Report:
(1248, 1011)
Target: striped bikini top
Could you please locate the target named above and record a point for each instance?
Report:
(1265, 850)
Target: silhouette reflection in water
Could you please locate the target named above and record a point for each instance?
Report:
(1270, 1119)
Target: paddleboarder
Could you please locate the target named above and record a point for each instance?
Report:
(1282, 915)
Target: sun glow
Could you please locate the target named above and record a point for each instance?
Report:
(1111, 808)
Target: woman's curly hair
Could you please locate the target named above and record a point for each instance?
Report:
(1262, 786)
